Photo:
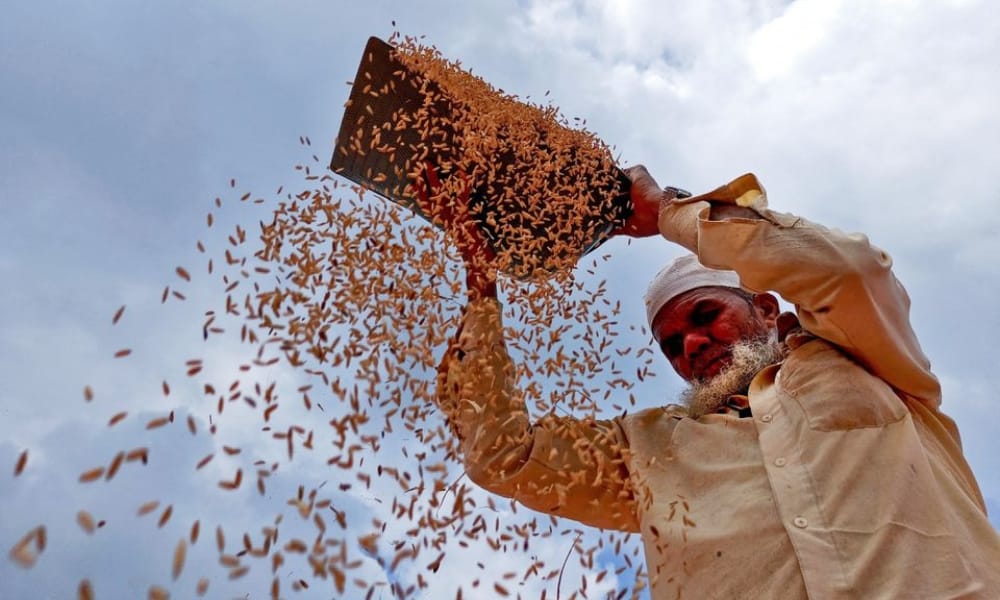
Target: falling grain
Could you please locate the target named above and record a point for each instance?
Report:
(158, 593)
(135, 454)
(23, 555)
(85, 591)
(118, 315)
(22, 461)
(157, 422)
(235, 483)
(27, 550)
(85, 521)
(239, 572)
(91, 475)
(180, 551)
(116, 463)
(148, 507)
(165, 516)
(328, 275)
(204, 461)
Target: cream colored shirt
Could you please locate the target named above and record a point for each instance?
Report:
(847, 482)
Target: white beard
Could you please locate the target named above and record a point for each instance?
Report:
(748, 358)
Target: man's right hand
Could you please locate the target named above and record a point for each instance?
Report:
(452, 215)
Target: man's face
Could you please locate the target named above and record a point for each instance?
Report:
(697, 329)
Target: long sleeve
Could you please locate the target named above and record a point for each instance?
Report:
(574, 468)
(842, 286)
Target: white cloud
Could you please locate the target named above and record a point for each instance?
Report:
(778, 47)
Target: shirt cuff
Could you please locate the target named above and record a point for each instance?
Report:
(745, 190)
(678, 219)
(679, 222)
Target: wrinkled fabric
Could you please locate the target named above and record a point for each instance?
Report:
(846, 482)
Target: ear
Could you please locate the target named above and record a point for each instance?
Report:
(767, 308)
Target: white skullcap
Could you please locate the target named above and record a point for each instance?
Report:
(683, 275)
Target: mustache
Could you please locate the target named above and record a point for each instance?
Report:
(748, 358)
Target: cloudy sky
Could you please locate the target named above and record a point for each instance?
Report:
(122, 121)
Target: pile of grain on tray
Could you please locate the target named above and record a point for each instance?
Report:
(543, 190)
(339, 307)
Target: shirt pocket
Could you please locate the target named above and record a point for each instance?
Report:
(835, 392)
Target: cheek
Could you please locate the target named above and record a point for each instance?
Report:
(727, 332)
(682, 368)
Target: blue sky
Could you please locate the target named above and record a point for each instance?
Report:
(121, 122)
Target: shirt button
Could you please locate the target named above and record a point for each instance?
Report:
(800, 522)
(766, 418)
(780, 462)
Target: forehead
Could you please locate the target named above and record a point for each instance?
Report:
(676, 312)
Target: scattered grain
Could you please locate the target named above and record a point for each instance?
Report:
(165, 516)
(22, 461)
(180, 552)
(91, 475)
(158, 593)
(148, 507)
(85, 521)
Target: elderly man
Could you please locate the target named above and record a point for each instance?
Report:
(810, 459)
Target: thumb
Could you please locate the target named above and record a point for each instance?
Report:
(643, 184)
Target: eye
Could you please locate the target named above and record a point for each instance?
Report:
(672, 346)
(704, 316)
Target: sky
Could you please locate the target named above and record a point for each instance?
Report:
(122, 122)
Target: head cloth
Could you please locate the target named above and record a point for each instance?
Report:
(683, 275)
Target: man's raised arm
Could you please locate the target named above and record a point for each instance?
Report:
(567, 467)
(841, 285)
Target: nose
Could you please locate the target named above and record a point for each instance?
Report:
(694, 343)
